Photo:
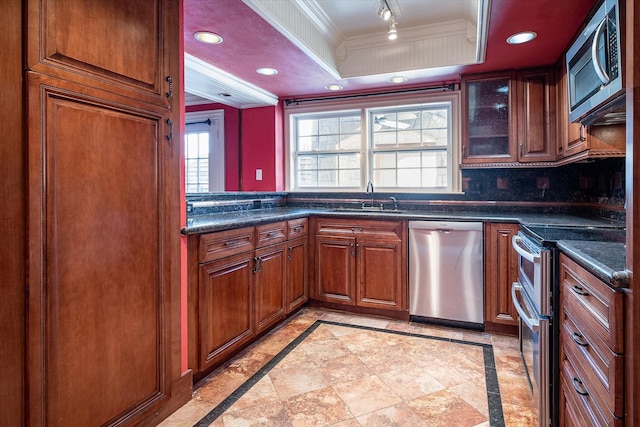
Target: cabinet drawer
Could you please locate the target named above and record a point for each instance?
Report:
(356, 227)
(577, 390)
(297, 228)
(225, 243)
(592, 303)
(599, 366)
(270, 234)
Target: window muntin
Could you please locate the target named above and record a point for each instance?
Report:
(327, 150)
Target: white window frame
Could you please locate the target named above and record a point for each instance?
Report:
(216, 144)
(364, 105)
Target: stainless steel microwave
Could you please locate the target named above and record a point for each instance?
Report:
(594, 68)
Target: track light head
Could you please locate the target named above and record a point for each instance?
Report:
(384, 12)
(393, 31)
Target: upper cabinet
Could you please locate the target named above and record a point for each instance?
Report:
(509, 118)
(489, 128)
(576, 141)
(122, 45)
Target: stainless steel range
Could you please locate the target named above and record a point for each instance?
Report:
(536, 296)
(532, 298)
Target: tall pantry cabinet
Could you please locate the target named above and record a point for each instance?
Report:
(102, 162)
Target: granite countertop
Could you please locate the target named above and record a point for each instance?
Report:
(605, 260)
(602, 253)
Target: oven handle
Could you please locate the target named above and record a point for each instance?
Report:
(532, 323)
(522, 251)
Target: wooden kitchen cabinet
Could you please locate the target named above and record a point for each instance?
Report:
(225, 308)
(591, 347)
(576, 141)
(361, 263)
(242, 282)
(269, 284)
(102, 177)
(297, 287)
(509, 118)
(489, 124)
(501, 271)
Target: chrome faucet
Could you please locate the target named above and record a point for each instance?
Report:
(370, 191)
(395, 203)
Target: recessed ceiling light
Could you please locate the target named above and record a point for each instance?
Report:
(334, 87)
(521, 37)
(266, 71)
(208, 37)
(398, 79)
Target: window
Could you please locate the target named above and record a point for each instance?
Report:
(204, 152)
(404, 146)
(328, 150)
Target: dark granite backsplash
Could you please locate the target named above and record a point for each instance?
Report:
(595, 187)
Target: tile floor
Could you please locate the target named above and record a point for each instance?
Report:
(309, 373)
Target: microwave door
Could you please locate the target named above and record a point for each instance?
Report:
(599, 52)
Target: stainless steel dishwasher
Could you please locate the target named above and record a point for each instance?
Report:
(446, 282)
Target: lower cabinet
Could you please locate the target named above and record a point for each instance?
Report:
(225, 315)
(501, 270)
(269, 273)
(361, 263)
(297, 287)
(591, 347)
(242, 282)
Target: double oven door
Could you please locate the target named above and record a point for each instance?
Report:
(531, 298)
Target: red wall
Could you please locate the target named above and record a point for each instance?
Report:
(231, 144)
(262, 148)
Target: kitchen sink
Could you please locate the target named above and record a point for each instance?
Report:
(370, 210)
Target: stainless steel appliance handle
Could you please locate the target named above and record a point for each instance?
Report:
(532, 323)
(522, 251)
(600, 71)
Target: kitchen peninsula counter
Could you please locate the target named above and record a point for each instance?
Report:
(605, 258)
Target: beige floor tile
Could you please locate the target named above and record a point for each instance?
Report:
(445, 409)
(262, 392)
(269, 414)
(366, 395)
(296, 380)
(317, 408)
(411, 381)
(394, 416)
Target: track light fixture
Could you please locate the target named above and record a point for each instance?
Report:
(393, 32)
(384, 12)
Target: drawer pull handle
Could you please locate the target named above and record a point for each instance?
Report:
(231, 242)
(271, 234)
(579, 290)
(356, 229)
(579, 339)
(297, 229)
(579, 387)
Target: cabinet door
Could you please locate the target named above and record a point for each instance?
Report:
(297, 288)
(225, 305)
(335, 269)
(102, 248)
(117, 45)
(489, 128)
(536, 109)
(501, 270)
(269, 286)
(379, 273)
(572, 137)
